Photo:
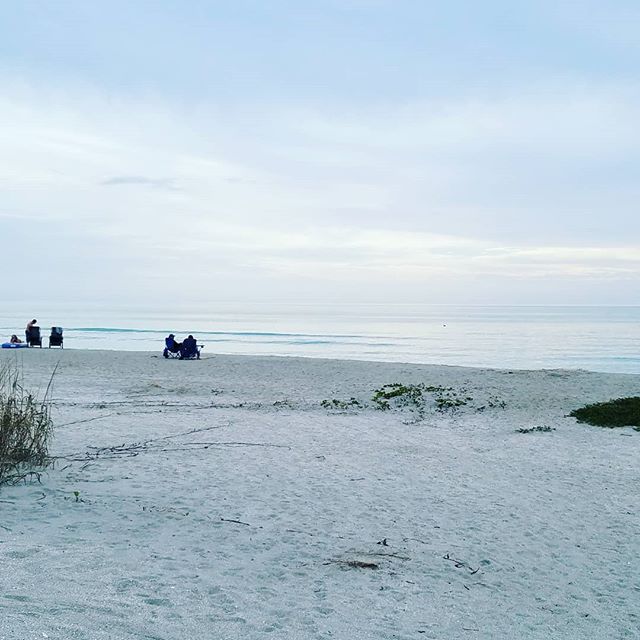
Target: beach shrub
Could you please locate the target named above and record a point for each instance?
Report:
(402, 395)
(543, 429)
(450, 401)
(495, 402)
(417, 398)
(25, 427)
(621, 412)
(399, 395)
(283, 404)
(341, 405)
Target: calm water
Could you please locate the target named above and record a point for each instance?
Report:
(595, 338)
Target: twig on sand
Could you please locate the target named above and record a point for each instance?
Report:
(414, 540)
(186, 433)
(240, 444)
(68, 424)
(154, 446)
(130, 413)
(354, 564)
(388, 555)
(460, 563)
(236, 521)
(365, 564)
(24, 477)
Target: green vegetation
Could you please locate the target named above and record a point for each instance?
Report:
(404, 395)
(450, 401)
(341, 405)
(416, 398)
(495, 402)
(535, 429)
(621, 412)
(25, 428)
(283, 404)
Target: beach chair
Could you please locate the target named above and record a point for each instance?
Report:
(56, 339)
(190, 350)
(33, 337)
(171, 347)
(190, 354)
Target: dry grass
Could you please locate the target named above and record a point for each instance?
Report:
(25, 427)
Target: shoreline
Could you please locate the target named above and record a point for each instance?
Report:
(209, 355)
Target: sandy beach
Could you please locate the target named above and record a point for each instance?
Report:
(252, 497)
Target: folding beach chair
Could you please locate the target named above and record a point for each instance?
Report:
(33, 337)
(190, 349)
(56, 339)
(171, 347)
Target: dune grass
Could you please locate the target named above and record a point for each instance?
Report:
(25, 427)
(621, 412)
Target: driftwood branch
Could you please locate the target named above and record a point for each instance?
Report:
(459, 564)
(354, 564)
(235, 521)
(136, 448)
(156, 445)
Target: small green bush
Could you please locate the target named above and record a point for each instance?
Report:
(25, 427)
(341, 405)
(407, 395)
(542, 429)
(621, 412)
(418, 398)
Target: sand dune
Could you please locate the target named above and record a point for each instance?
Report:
(221, 499)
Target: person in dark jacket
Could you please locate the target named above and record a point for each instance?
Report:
(171, 346)
(189, 348)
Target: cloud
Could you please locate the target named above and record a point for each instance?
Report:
(421, 199)
(157, 183)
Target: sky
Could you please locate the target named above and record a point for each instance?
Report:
(160, 152)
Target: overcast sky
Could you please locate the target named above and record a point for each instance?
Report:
(330, 150)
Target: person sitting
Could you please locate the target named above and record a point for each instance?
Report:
(29, 329)
(171, 346)
(189, 348)
(15, 339)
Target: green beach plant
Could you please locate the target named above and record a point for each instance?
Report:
(402, 395)
(25, 427)
(621, 412)
(539, 429)
(341, 405)
(417, 397)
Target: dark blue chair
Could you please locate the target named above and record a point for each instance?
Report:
(190, 349)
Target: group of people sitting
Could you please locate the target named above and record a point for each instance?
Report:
(185, 350)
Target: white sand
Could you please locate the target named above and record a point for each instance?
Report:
(550, 520)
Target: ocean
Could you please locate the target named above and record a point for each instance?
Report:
(594, 338)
